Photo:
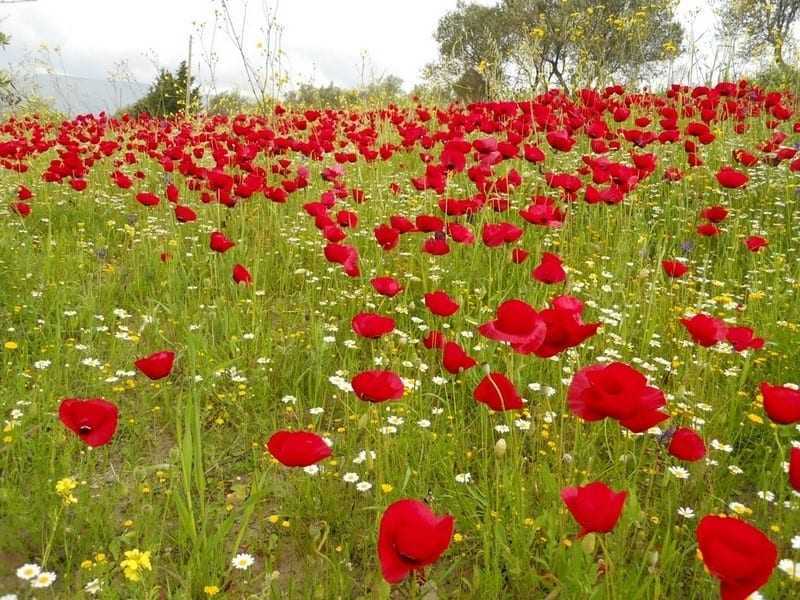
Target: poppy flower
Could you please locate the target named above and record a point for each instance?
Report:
(434, 339)
(440, 304)
(220, 243)
(755, 243)
(455, 359)
(147, 198)
(617, 391)
(549, 269)
(674, 268)
(705, 330)
(596, 507)
(498, 393)
(94, 420)
(410, 538)
(297, 448)
(435, 246)
(371, 325)
(518, 324)
(184, 214)
(156, 366)
(386, 286)
(737, 554)
(497, 234)
(565, 327)
(781, 403)
(794, 469)
(560, 140)
(708, 230)
(377, 386)
(686, 444)
(743, 338)
(730, 178)
(715, 214)
(23, 193)
(519, 255)
(387, 237)
(23, 209)
(242, 275)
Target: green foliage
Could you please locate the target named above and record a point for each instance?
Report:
(779, 77)
(167, 95)
(229, 103)
(383, 90)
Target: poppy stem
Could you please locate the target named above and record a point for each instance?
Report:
(52, 536)
(609, 565)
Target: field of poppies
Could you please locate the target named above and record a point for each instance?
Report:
(538, 349)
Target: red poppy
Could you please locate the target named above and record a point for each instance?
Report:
(755, 243)
(94, 420)
(435, 339)
(156, 366)
(715, 214)
(560, 140)
(674, 268)
(705, 330)
(371, 325)
(386, 286)
(242, 275)
(496, 234)
(377, 386)
(708, 230)
(147, 198)
(781, 403)
(686, 444)
(519, 255)
(596, 507)
(565, 327)
(23, 193)
(498, 393)
(737, 554)
(728, 177)
(455, 359)
(794, 469)
(549, 269)
(23, 209)
(387, 237)
(518, 324)
(298, 448)
(617, 391)
(220, 243)
(436, 246)
(440, 304)
(410, 538)
(743, 338)
(184, 214)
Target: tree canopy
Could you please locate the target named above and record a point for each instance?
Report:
(532, 44)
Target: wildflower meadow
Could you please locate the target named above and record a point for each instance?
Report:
(544, 348)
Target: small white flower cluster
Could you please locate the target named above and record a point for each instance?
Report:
(33, 574)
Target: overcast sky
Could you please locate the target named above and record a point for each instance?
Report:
(323, 40)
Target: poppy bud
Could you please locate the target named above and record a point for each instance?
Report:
(500, 448)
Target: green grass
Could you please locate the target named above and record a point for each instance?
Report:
(187, 477)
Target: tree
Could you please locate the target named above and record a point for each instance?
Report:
(474, 41)
(526, 45)
(167, 94)
(760, 23)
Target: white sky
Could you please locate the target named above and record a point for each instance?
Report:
(323, 39)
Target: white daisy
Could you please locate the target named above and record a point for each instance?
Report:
(28, 571)
(242, 561)
(43, 580)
